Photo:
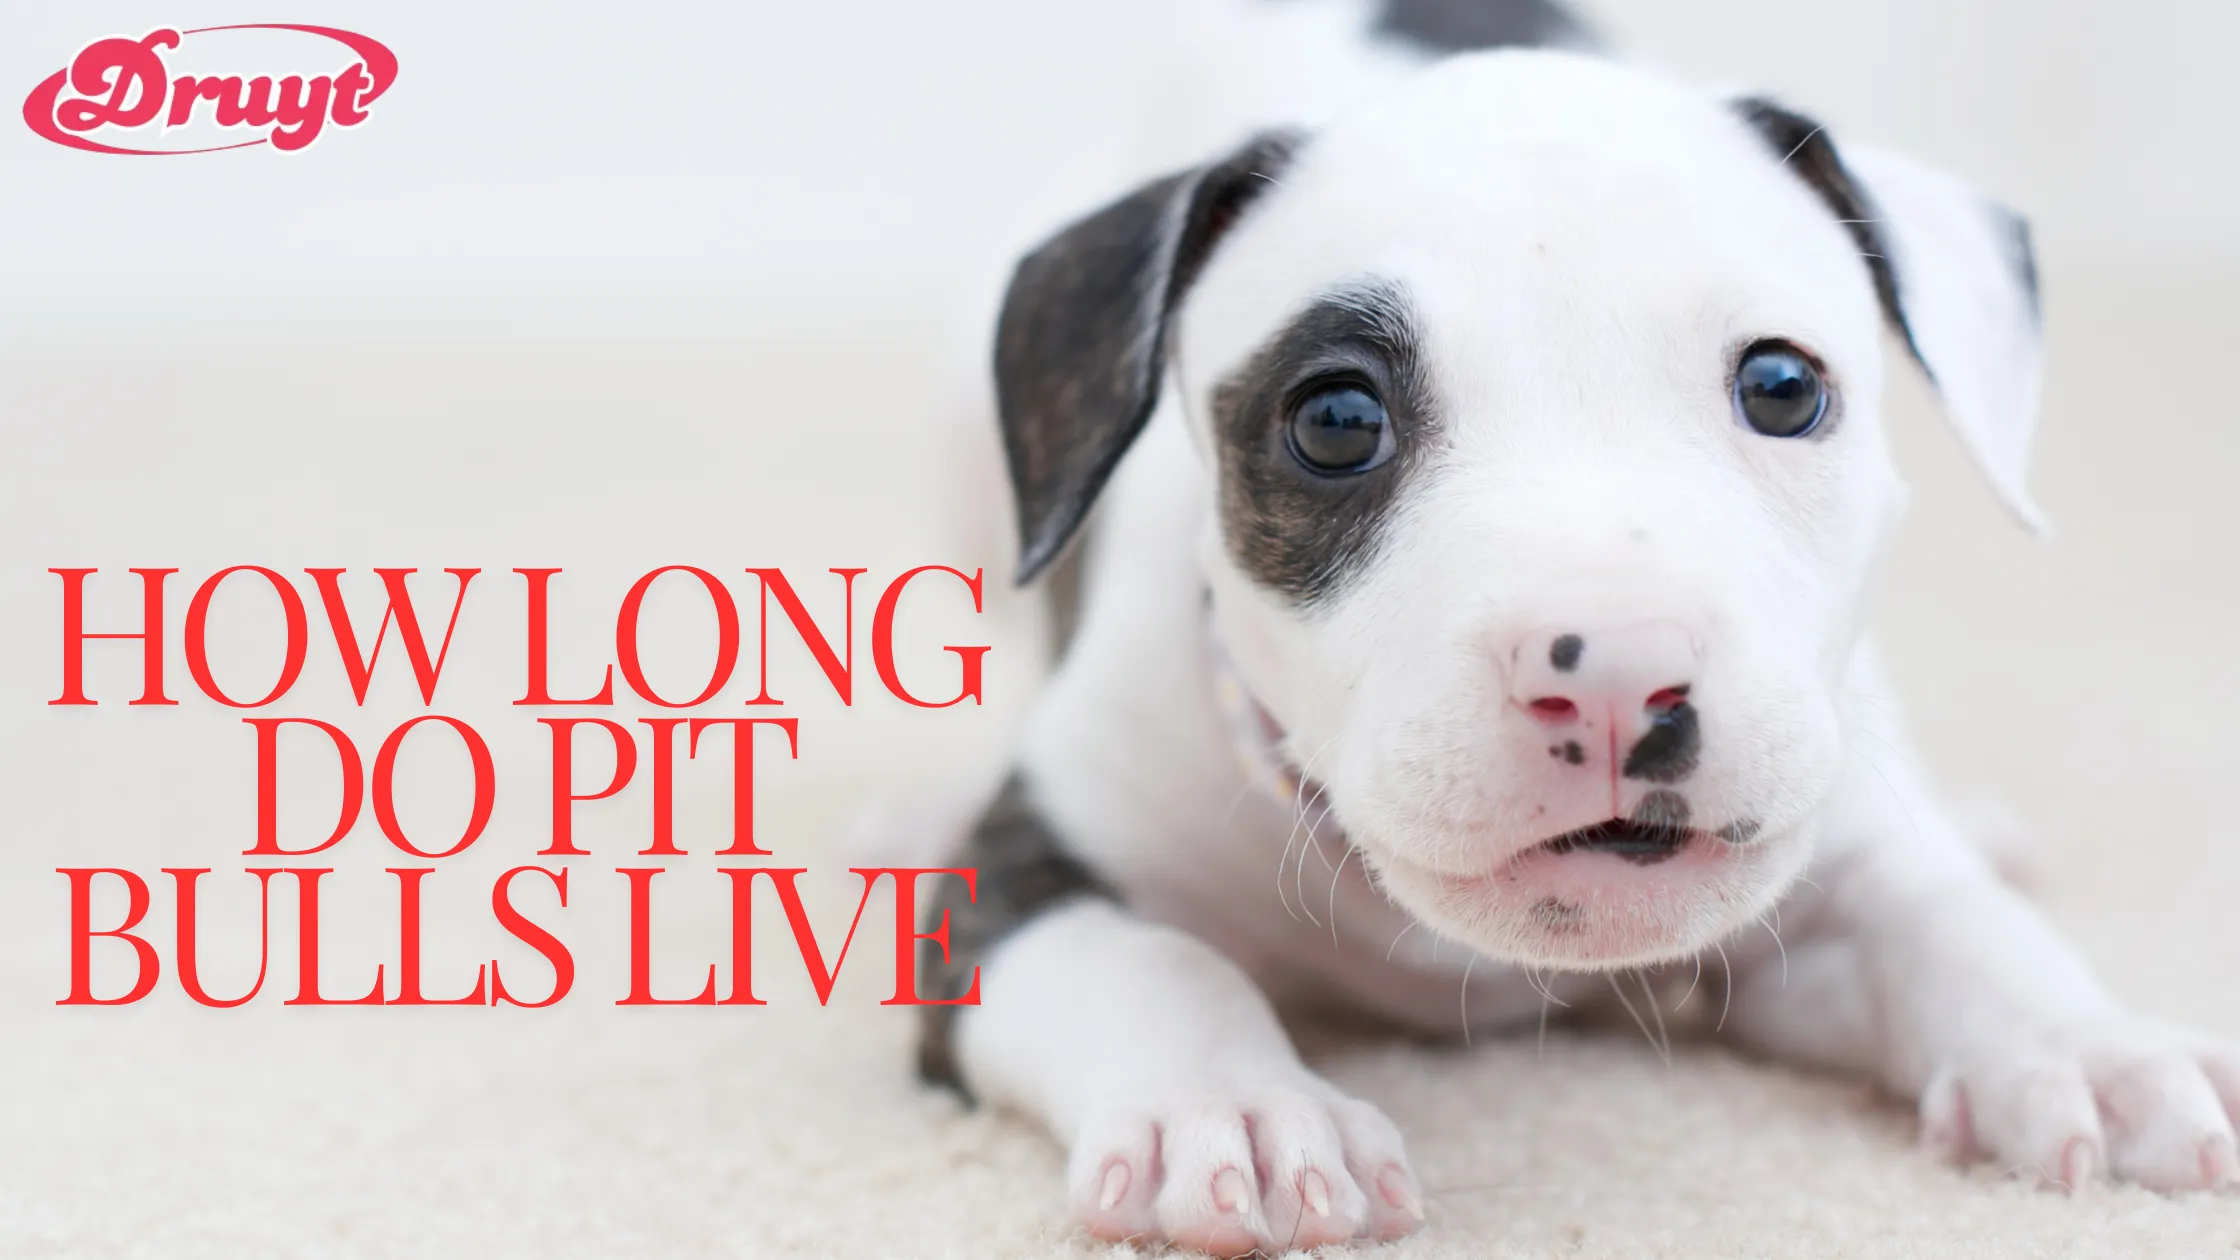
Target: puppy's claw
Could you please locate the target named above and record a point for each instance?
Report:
(1400, 1191)
(2080, 1158)
(1115, 1187)
(1230, 1194)
(1314, 1191)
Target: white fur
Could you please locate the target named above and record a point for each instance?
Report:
(1584, 245)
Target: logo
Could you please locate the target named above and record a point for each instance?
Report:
(119, 95)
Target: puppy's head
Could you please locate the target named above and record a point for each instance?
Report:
(1540, 406)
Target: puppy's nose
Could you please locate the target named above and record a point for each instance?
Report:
(1619, 680)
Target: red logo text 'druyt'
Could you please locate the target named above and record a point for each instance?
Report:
(120, 95)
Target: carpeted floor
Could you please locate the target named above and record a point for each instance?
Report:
(2090, 683)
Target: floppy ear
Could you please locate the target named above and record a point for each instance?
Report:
(1081, 345)
(1957, 280)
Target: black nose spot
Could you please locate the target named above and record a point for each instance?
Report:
(1564, 652)
(1740, 831)
(1573, 753)
(1667, 754)
(1662, 808)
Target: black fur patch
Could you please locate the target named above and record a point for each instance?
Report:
(1804, 147)
(1449, 26)
(1023, 871)
(1295, 531)
(1081, 344)
(2022, 257)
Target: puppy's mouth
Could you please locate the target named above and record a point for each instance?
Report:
(1619, 892)
(1643, 844)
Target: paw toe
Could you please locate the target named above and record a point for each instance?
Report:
(1210, 1199)
(1311, 1198)
(2166, 1128)
(1113, 1179)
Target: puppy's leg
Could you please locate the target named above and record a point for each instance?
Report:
(1922, 968)
(1186, 1112)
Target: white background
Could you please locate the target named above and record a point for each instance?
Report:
(687, 167)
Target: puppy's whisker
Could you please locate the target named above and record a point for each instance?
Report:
(1333, 902)
(1306, 770)
(1466, 967)
(1282, 860)
(1775, 928)
(1726, 985)
(1638, 1022)
(1540, 984)
(1301, 833)
(1405, 928)
(1312, 842)
(1532, 981)
(1302, 805)
(1656, 1010)
(1289, 841)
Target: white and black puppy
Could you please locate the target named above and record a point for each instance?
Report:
(1486, 483)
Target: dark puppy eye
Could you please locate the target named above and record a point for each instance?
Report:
(1778, 391)
(1340, 428)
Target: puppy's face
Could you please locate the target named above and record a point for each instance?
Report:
(1542, 404)
(1541, 409)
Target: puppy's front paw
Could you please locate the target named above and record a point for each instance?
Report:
(2125, 1098)
(1231, 1170)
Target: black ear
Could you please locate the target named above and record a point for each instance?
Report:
(1081, 345)
(1956, 278)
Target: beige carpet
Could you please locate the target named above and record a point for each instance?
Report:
(2090, 683)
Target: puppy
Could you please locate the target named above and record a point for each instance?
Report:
(1486, 484)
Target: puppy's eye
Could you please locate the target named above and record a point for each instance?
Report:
(1778, 391)
(1340, 428)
